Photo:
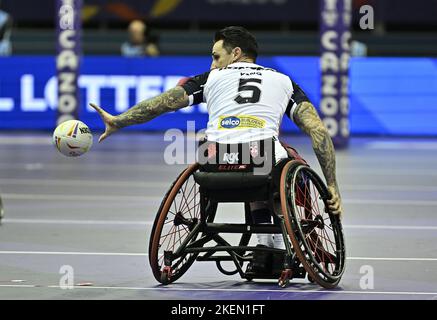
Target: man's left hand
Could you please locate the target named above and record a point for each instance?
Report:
(334, 203)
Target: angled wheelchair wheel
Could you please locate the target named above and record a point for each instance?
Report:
(178, 214)
(316, 234)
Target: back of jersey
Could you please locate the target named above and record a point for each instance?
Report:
(246, 102)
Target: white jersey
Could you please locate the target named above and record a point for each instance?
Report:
(245, 101)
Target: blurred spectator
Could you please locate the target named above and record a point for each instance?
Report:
(358, 49)
(5, 33)
(141, 42)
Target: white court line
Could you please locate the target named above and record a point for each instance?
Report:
(94, 166)
(144, 223)
(378, 187)
(169, 288)
(130, 254)
(25, 140)
(390, 259)
(155, 184)
(72, 197)
(79, 222)
(387, 172)
(18, 286)
(400, 202)
(404, 145)
(19, 196)
(386, 227)
(64, 253)
(85, 183)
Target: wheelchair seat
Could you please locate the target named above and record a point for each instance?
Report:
(233, 186)
(234, 181)
(230, 180)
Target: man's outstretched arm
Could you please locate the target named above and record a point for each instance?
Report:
(308, 120)
(144, 111)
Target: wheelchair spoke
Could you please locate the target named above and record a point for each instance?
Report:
(316, 198)
(186, 200)
(185, 228)
(176, 209)
(169, 221)
(186, 203)
(193, 207)
(180, 237)
(329, 227)
(182, 191)
(171, 212)
(166, 236)
(326, 239)
(326, 251)
(330, 242)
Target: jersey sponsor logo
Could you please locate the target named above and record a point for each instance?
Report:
(229, 122)
(231, 157)
(240, 122)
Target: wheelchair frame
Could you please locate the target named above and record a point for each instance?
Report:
(299, 257)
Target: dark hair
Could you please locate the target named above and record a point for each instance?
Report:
(235, 36)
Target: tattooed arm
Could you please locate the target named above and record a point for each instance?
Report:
(144, 111)
(308, 120)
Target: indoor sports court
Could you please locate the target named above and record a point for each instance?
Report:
(85, 227)
(95, 214)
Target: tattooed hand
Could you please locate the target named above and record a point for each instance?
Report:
(108, 120)
(334, 203)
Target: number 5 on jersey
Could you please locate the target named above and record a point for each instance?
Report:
(243, 86)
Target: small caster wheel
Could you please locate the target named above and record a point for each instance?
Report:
(284, 279)
(166, 275)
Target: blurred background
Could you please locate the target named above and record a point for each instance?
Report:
(135, 49)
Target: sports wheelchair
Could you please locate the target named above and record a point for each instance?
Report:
(184, 230)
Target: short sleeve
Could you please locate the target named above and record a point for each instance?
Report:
(194, 88)
(296, 98)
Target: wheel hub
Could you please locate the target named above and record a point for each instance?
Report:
(180, 219)
(320, 222)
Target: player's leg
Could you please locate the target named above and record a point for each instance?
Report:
(261, 215)
(280, 153)
(260, 210)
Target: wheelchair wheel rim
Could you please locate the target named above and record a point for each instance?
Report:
(297, 234)
(323, 244)
(182, 200)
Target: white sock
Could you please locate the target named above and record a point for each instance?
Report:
(278, 241)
